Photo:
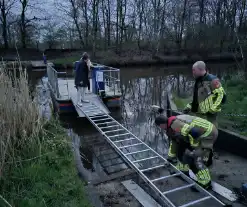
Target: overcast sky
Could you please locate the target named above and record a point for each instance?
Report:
(39, 8)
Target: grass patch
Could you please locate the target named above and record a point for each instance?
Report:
(180, 102)
(36, 165)
(66, 60)
(50, 179)
(236, 89)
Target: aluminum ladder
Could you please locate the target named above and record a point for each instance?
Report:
(126, 144)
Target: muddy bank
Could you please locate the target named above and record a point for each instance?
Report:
(64, 58)
(115, 194)
(120, 61)
(163, 60)
(23, 54)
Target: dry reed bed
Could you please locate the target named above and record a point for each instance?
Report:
(20, 122)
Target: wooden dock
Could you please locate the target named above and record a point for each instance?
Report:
(67, 91)
(39, 64)
(94, 100)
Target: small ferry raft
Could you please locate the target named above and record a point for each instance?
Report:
(105, 89)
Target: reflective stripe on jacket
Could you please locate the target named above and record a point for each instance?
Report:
(210, 95)
(182, 125)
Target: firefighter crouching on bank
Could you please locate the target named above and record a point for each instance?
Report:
(191, 144)
(208, 96)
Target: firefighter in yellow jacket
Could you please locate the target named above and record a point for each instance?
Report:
(191, 144)
(208, 94)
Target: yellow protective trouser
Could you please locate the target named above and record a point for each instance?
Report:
(196, 165)
(203, 175)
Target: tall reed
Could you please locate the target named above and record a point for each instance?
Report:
(20, 121)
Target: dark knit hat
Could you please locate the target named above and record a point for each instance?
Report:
(161, 120)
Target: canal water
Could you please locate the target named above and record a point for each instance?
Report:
(141, 88)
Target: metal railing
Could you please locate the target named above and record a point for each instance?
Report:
(111, 77)
(52, 75)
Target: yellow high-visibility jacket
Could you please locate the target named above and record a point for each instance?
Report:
(210, 95)
(182, 125)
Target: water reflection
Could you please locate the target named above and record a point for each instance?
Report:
(138, 95)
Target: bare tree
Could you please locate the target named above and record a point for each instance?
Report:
(71, 9)
(155, 26)
(5, 7)
(25, 22)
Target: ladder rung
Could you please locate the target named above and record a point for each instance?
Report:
(130, 145)
(167, 176)
(90, 106)
(196, 201)
(105, 123)
(179, 188)
(122, 140)
(118, 135)
(108, 126)
(116, 130)
(97, 113)
(86, 107)
(97, 116)
(131, 153)
(88, 111)
(149, 158)
(101, 119)
(152, 168)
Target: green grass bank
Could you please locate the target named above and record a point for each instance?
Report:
(37, 166)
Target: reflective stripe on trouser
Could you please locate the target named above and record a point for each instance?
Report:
(203, 177)
(182, 167)
(172, 149)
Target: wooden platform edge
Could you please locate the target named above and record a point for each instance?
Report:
(144, 198)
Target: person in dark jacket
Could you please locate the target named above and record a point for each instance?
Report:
(81, 79)
(209, 94)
